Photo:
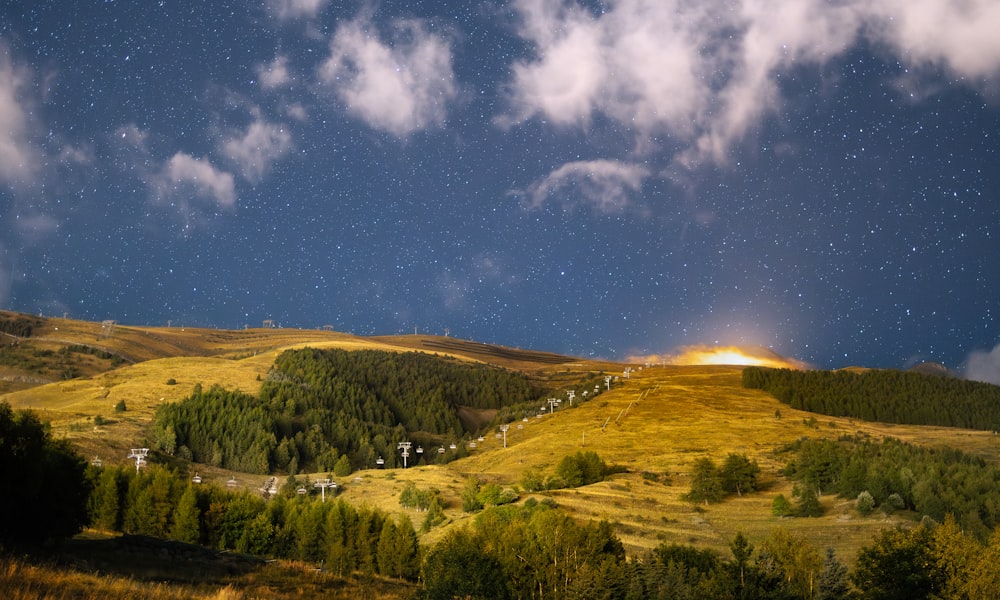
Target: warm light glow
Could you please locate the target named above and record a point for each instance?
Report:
(726, 355)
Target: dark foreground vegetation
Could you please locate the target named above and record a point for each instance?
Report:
(887, 396)
(529, 550)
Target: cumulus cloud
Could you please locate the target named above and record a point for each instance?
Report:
(400, 85)
(255, 151)
(960, 36)
(185, 171)
(274, 74)
(704, 73)
(294, 9)
(605, 184)
(19, 156)
(984, 366)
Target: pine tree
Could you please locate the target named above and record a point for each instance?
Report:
(832, 583)
(706, 484)
(386, 550)
(107, 510)
(187, 518)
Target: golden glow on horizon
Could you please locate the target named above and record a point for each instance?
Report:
(726, 355)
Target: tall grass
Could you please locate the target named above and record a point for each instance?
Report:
(22, 579)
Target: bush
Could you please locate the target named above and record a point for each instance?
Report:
(583, 468)
(781, 507)
(120, 407)
(893, 503)
(865, 503)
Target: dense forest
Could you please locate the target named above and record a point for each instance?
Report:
(158, 502)
(317, 407)
(887, 396)
(901, 476)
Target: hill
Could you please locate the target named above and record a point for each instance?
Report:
(655, 423)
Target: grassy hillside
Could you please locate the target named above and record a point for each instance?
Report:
(655, 423)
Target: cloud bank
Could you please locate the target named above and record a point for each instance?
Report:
(704, 74)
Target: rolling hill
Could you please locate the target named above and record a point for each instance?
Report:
(655, 423)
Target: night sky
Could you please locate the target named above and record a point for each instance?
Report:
(603, 179)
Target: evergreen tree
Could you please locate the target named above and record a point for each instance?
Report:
(107, 501)
(407, 562)
(187, 518)
(343, 466)
(706, 484)
(386, 553)
(739, 474)
(833, 582)
(808, 504)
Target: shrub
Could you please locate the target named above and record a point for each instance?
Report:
(120, 407)
(865, 503)
(781, 507)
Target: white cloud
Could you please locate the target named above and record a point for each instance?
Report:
(961, 35)
(705, 73)
(19, 156)
(984, 366)
(274, 74)
(294, 9)
(605, 184)
(254, 152)
(401, 85)
(186, 171)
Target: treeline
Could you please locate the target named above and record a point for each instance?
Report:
(346, 539)
(887, 396)
(18, 325)
(901, 476)
(318, 406)
(535, 551)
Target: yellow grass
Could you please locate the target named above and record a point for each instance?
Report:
(660, 421)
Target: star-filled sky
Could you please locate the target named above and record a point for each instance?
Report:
(605, 179)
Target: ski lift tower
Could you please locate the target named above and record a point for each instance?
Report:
(504, 429)
(139, 454)
(322, 484)
(571, 394)
(405, 447)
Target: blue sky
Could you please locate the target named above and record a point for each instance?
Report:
(608, 179)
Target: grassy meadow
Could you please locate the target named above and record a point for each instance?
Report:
(655, 423)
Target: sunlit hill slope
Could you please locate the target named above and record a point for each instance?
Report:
(655, 422)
